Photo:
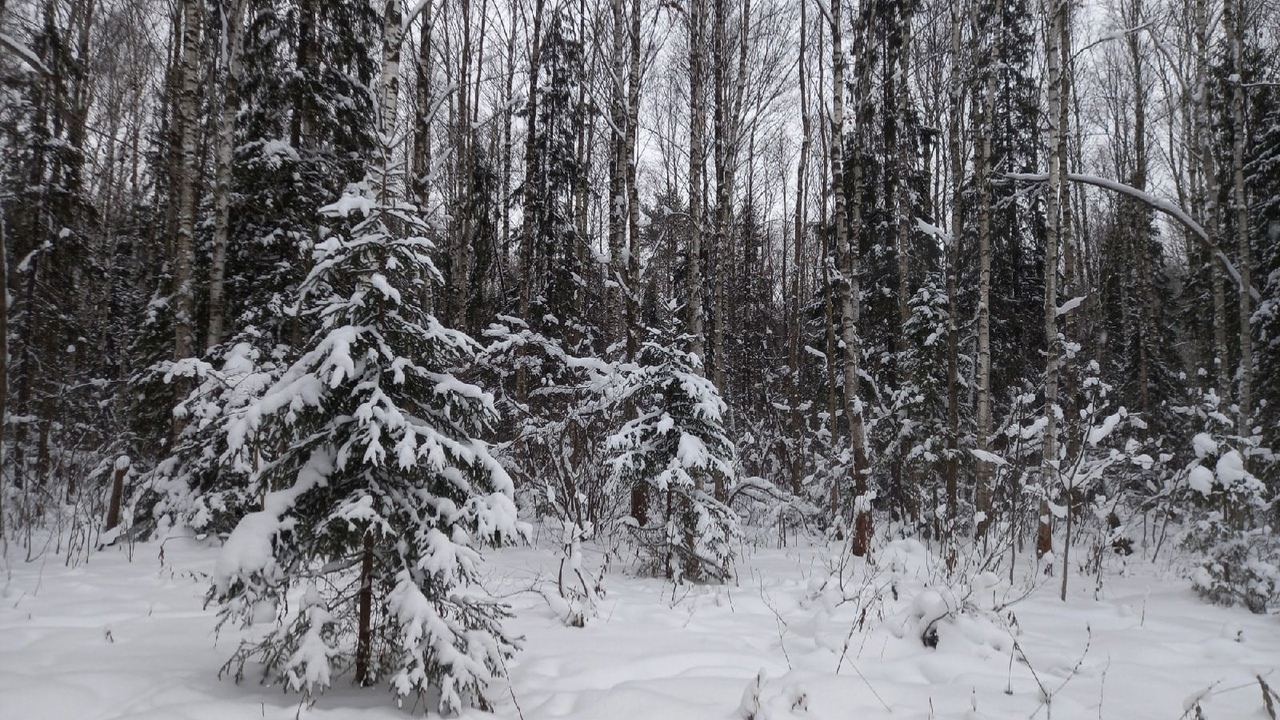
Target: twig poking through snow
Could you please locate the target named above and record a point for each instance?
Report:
(866, 682)
(1193, 703)
(1269, 697)
(511, 688)
(781, 624)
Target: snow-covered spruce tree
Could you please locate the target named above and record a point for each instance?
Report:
(1231, 531)
(366, 550)
(918, 413)
(676, 445)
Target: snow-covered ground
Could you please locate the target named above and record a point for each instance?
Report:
(132, 640)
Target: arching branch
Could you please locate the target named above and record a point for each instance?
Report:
(1163, 206)
(24, 54)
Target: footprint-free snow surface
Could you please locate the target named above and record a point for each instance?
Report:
(798, 634)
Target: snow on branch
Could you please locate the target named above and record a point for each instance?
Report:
(1070, 305)
(1163, 206)
(23, 52)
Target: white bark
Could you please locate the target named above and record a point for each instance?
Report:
(984, 490)
(186, 126)
(633, 193)
(618, 196)
(697, 113)
(1057, 11)
(233, 34)
(1234, 20)
(389, 90)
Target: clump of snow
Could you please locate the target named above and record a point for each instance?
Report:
(348, 203)
(248, 550)
(1230, 469)
(1204, 445)
(1200, 479)
(1099, 433)
(309, 669)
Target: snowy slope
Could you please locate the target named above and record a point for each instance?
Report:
(131, 640)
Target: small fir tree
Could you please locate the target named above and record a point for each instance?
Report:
(676, 446)
(381, 494)
(1230, 532)
(918, 407)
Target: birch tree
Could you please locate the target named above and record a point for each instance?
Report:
(232, 17)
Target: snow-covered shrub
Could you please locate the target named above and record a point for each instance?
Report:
(380, 493)
(558, 436)
(675, 448)
(558, 443)
(1238, 552)
(1238, 566)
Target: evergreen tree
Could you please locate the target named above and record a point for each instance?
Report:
(1018, 217)
(1262, 177)
(54, 242)
(1017, 225)
(1139, 345)
(559, 257)
(675, 446)
(305, 130)
(919, 407)
(306, 127)
(381, 493)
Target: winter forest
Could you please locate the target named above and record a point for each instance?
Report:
(753, 359)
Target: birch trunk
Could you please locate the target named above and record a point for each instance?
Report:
(639, 491)
(233, 34)
(954, 150)
(389, 90)
(839, 283)
(618, 190)
(4, 373)
(1234, 21)
(1208, 171)
(720, 152)
(424, 115)
(1053, 237)
(507, 144)
(797, 279)
(1070, 255)
(697, 113)
(849, 285)
(1146, 334)
(633, 193)
(585, 138)
(464, 159)
(424, 112)
(898, 108)
(985, 479)
(530, 196)
(184, 245)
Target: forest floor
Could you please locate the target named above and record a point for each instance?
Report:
(113, 638)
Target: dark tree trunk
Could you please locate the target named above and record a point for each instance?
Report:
(364, 634)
